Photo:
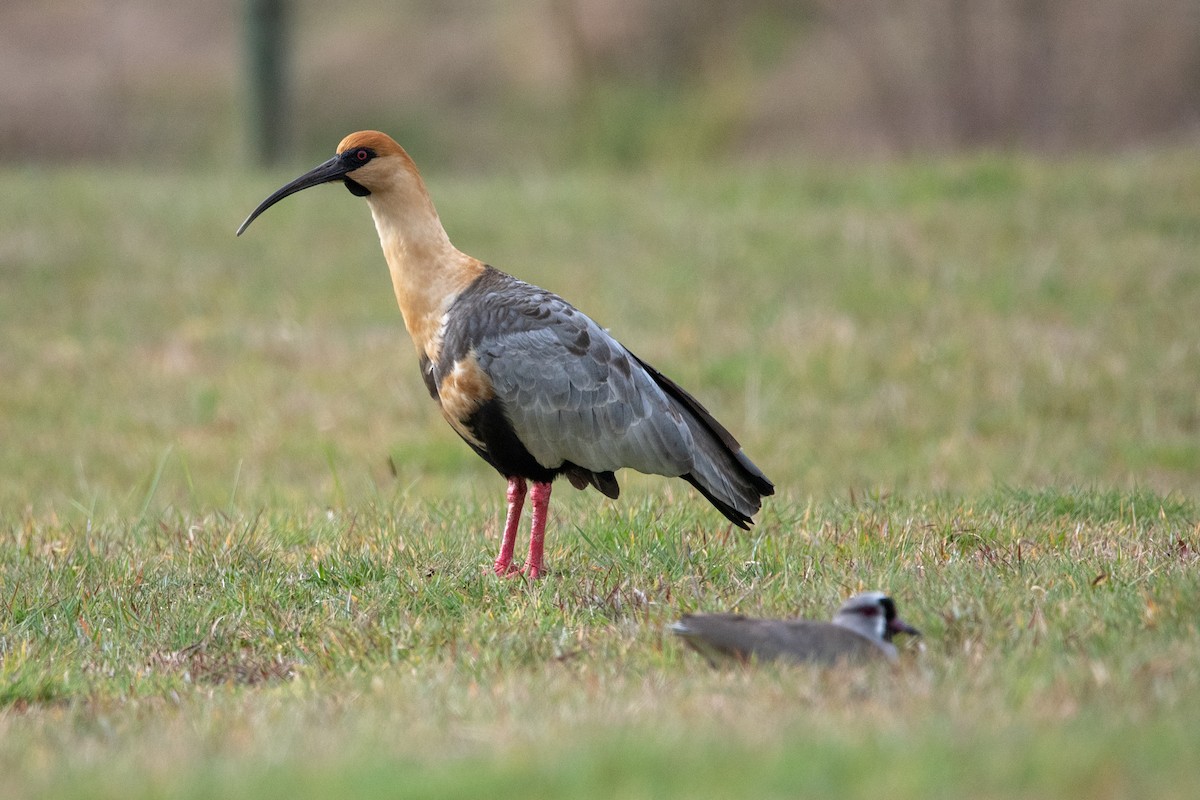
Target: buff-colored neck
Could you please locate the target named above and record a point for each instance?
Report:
(428, 272)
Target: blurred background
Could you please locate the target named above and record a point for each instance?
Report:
(909, 244)
(615, 82)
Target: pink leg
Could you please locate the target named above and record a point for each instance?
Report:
(537, 533)
(516, 501)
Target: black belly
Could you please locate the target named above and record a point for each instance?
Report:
(501, 447)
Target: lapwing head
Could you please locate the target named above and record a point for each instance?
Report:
(873, 614)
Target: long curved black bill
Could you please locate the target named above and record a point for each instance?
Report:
(332, 170)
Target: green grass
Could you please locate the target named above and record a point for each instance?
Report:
(241, 554)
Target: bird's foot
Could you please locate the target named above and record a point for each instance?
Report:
(505, 569)
(531, 572)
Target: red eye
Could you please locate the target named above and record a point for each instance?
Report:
(362, 155)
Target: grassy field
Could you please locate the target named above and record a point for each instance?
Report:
(241, 555)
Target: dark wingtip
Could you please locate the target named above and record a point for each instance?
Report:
(743, 521)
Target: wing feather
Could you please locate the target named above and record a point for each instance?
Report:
(573, 393)
(574, 399)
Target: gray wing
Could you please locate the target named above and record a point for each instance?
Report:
(591, 405)
(724, 636)
(571, 391)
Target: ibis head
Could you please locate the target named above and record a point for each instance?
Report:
(366, 162)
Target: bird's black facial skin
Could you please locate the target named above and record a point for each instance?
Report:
(356, 188)
(354, 159)
(357, 157)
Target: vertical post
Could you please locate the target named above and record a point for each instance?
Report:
(267, 32)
